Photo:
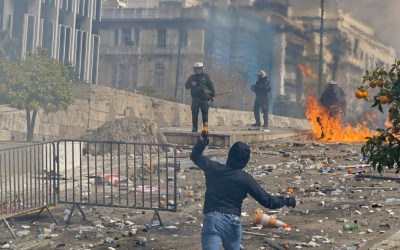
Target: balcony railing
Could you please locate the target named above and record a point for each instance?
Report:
(119, 50)
(140, 13)
(159, 13)
(147, 49)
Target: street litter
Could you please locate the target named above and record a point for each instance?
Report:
(146, 189)
(108, 179)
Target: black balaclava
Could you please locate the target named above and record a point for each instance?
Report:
(238, 156)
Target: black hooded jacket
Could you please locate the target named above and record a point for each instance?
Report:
(228, 185)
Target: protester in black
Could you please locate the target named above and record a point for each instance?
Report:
(227, 186)
(334, 99)
(202, 91)
(261, 89)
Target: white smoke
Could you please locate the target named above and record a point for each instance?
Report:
(380, 15)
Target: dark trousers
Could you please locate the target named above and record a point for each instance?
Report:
(261, 102)
(202, 105)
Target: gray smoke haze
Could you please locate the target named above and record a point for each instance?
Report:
(381, 15)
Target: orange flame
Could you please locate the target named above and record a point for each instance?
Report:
(327, 128)
(305, 70)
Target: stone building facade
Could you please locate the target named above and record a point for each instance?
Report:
(220, 32)
(64, 27)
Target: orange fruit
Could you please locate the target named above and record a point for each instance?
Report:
(372, 84)
(379, 84)
(349, 170)
(162, 203)
(359, 94)
(364, 93)
(191, 194)
(383, 99)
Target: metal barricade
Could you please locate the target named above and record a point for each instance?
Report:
(117, 174)
(27, 180)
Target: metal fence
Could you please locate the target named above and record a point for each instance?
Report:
(117, 174)
(98, 173)
(25, 183)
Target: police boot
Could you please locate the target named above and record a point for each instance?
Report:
(257, 117)
(265, 122)
(195, 120)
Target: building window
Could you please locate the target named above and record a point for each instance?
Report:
(30, 38)
(127, 37)
(116, 37)
(65, 43)
(161, 38)
(83, 8)
(96, 47)
(159, 74)
(184, 38)
(97, 10)
(51, 3)
(137, 37)
(67, 5)
(48, 30)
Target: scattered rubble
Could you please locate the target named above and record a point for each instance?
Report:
(337, 208)
(129, 129)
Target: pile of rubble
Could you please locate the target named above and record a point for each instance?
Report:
(130, 129)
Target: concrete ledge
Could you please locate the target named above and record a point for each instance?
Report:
(226, 136)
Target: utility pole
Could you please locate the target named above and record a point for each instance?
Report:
(177, 73)
(321, 48)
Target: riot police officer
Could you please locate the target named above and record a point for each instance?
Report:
(334, 99)
(202, 91)
(261, 89)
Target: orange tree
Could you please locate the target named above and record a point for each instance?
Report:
(383, 148)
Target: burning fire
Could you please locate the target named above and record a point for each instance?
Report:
(306, 70)
(330, 129)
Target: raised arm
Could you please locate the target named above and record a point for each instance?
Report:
(267, 200)
(197, 156)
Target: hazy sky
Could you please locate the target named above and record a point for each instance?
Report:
(382, 15)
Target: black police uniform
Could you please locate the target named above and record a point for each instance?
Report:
(334, 99)
(261, 88)
(201, 94)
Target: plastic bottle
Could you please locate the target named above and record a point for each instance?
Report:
(41, 236)
(392, 201)
(348, 227)
(110, 240)
(88, 229)
(23, 233)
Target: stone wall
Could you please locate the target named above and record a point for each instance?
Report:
(96, 104)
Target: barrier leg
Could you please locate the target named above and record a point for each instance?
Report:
(72, 211)
(156, 215)
(9, 228)
(41, 211)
